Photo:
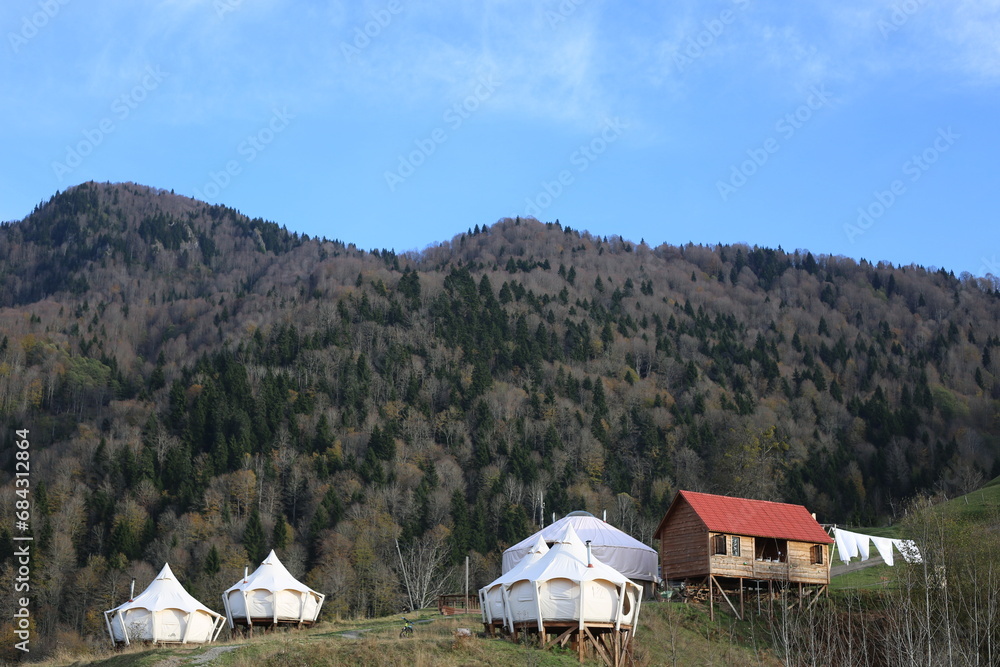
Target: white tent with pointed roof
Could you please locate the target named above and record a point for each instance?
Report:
(569, 585)
(491, 595)
(271, 596)
(611, 546)
(163, 613)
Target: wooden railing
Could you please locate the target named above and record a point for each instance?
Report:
(456, 604)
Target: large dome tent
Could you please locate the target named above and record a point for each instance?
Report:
(163, 613)
(568, 594)
(611, 546)
(271, 596)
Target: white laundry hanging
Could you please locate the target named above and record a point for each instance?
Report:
(908, 549)
(884, 546)
(863, 546)
(846, 545)
(850, 545)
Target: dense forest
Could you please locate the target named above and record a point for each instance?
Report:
(201, 386)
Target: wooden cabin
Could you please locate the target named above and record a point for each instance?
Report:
(724, 544)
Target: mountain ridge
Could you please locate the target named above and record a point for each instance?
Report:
(202, 385)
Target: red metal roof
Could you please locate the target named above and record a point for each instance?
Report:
(756, 518)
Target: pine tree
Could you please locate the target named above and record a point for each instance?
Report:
(323, 438)
(213, 563)
(279, 536)
(600, 403)
(461, 532)
(690, 374)
(253, 538)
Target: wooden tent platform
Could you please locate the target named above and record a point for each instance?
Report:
(264, 624)
(600, 640)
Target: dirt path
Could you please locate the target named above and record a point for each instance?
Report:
(211, 654)
(201, 659)
(853, 567)
(355, 634)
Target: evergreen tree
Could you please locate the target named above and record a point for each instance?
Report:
(213, 563)
(253, 538)
(279, 536)
(600, 402)
(382, 444)
(461, 531)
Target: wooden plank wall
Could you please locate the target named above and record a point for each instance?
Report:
(798, 567)
(683, 544)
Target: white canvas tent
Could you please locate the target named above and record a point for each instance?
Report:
(611, 546)
(271, 596)
(568, 584)
(491, 595)
(163, 613)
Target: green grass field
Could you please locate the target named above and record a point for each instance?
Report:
(980, 506)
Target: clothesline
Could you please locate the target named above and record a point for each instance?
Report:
(850, 545)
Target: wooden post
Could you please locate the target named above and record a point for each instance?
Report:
(742, 614)
(466, 584)
(711, 603)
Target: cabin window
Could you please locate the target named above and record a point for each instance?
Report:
(771, 550)
(719, 545)
(816, 554)
(736, 546)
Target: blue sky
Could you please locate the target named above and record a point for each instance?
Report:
(864, 129)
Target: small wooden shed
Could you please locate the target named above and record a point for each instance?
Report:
(723, 544)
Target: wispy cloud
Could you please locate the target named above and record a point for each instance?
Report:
(550, 63)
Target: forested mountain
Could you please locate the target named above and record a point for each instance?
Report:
(201, 386)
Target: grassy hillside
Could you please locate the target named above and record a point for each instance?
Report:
(978, 510)
(670, 634)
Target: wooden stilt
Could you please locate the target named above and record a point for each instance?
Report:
(560, 639)
(711, 602)
(597, 647)
(816, 597)
(626, 640)
(742, 615)
(725, 597)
